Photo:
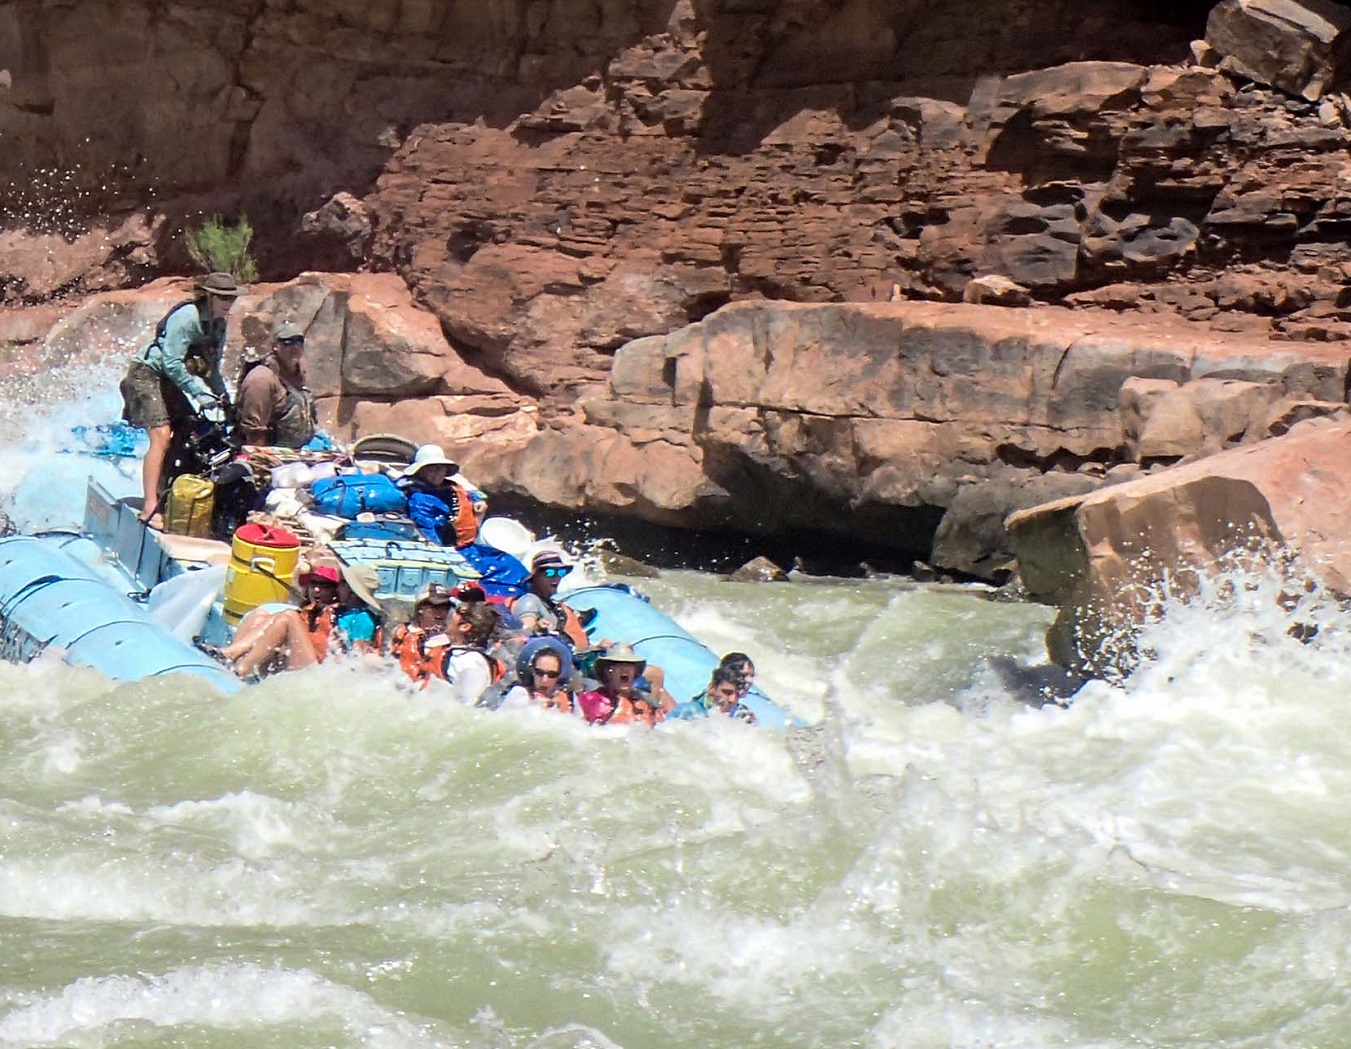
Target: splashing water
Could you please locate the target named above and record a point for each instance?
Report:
(326, 859)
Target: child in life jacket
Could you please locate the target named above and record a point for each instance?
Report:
(618, 699)
(544, 670)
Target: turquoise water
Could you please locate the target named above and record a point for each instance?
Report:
(328, 860)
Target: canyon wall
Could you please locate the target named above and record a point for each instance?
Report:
(555, 179)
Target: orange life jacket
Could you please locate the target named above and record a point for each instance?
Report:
(320, 623)
(465, 521)
(560, 701)
(408, 644)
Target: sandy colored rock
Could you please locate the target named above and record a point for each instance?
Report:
(1107, 557)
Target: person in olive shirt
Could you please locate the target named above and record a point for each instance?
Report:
(176, 378)
(275, 406)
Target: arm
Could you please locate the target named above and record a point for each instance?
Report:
(183, 326)
(530, 611)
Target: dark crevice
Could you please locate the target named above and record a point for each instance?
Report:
(815, 552)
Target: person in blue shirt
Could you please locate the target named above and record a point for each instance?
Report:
(722, 695)
(177, 378)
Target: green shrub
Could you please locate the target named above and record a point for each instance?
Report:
(221, 248)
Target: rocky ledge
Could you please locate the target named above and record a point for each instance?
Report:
(909, 425)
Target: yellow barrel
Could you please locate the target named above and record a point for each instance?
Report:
(188, 506)
(262, 564)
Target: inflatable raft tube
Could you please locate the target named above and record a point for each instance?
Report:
(48, 598)
(623, 615)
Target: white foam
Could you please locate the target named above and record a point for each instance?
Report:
(111, 1010)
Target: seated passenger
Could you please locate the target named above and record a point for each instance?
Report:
(740, 664)
(466, 664)
(545, 668)
(540, 611)
(722, 694)
(618, 699)
(444, 511)
(282, 640)
(408, 642)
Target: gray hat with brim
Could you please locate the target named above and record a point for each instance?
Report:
(288, 330)
(222, 285)
(364, 581)
(622, 653)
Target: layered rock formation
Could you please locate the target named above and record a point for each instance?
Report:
(555, 180)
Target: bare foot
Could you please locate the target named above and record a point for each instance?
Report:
(155, 522)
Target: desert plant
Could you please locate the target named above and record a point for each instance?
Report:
(219, 247)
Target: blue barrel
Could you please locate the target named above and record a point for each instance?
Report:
(624, 615)
(50, 598)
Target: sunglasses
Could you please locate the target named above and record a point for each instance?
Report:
(546, 673)
(556, 573)
(297, 340)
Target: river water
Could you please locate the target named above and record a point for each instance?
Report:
(326, 860)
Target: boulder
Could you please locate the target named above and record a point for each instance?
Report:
(1166, 420)
(1288, 412)
(971, 537)
(1300, 46)
(1107, 558)
(364, 338)
(759, 570)
(995, 289)
(619, 564)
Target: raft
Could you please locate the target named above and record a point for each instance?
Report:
(85, 593)
(49, 599)
(623, 614)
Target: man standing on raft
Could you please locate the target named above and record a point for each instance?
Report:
(177, 378)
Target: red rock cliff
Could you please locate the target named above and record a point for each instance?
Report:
(555, 178)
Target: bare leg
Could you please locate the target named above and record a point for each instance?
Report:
(251, 627)
(152, 467)
(283, 634)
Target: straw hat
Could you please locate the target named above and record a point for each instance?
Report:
(364, 581)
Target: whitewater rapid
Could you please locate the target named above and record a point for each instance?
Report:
(327, 859)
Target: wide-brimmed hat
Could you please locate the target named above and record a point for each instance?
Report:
(221, 285)
(364, 581)
(319, 574)
(550, 559)
(430, 455)
(622, 653)
(287, 331)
